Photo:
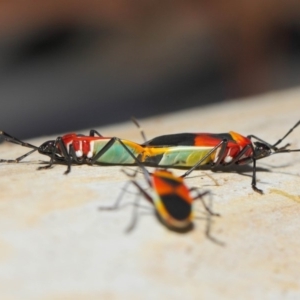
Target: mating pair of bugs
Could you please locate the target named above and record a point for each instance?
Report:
(172, 199)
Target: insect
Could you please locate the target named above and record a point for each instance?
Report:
(79, 149)
(171, 198)
(215, 150)
(173, 150)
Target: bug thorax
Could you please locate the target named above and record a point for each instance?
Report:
(47, 148)
(261, 150)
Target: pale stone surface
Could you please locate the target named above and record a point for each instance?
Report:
(56, 244)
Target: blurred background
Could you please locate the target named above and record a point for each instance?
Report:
(67, 65)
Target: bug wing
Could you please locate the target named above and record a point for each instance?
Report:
(180, 139)
(172, 200)
(176, 206)
(189, 139)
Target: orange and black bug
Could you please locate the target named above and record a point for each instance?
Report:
(171, 198)
(211, 149)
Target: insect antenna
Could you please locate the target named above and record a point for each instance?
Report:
(280, 140)
(13, 140)
(134, 120)
(283, 150)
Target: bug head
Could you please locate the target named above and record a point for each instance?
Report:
(47, 148)
(261, 150)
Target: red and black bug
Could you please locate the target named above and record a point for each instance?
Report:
(171, 198)
(215, 150)
(79, 149)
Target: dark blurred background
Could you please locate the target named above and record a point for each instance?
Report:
(67, 65)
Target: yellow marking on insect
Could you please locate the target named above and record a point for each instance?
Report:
(153, 151)
(241, 140)
(161, 208)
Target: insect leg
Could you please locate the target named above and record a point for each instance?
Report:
(65, 154)
(118, 201)
(73, 157)
(146, 173)
(253, 183)
(134, 215)
(246, 160)
(128, 174)
(93, 132)
(209, 215)
(72, 154)
(107, 146)
(147, 197)
(237, 160)
(200, 197)
(252, 136)
(221, 153)
(222, 144)
(144, 193)
(208, 230)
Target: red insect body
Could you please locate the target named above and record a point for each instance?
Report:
(82, 145)
(235, 143)
(235, 148)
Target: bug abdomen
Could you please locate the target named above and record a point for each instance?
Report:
(117, 154)
(173, 211)
(180, 156)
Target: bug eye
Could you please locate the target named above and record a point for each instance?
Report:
(261, 150)
(261, 146)
(47, 146)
